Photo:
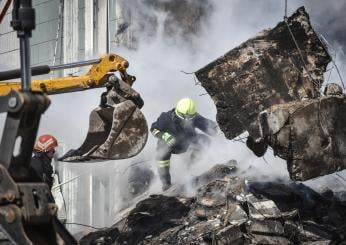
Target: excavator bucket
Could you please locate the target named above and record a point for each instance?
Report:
(118, 131)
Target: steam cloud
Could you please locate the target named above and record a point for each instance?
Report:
(164, 51)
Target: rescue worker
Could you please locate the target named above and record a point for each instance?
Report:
(175, 131)
(44, 150)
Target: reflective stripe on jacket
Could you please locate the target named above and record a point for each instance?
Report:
(182, 130)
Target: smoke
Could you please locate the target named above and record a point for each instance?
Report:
(164, 49)
(145, 19)
(159, 61)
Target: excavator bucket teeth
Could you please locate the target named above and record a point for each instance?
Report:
(119, 131)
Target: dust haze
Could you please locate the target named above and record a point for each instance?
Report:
(158, 63)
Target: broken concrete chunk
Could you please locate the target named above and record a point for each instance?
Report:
(269, 240)
(235, 215)
(332, 89)
(262, 208)
(272, 227)
(263, 71)
(309, 134)
(213, 194)
(219, 171)
(235, 186)
(211, 199)
(230, 235)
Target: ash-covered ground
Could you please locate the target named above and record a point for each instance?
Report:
(228, 209)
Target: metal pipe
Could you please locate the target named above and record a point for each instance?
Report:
(25, 63)
(44, 69)
(75, 64)
(14, 74)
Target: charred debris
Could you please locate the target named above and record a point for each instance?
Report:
(269, 86)
(228, 209)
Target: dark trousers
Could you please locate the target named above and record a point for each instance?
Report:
(164, 153)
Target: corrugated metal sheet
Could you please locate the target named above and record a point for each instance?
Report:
(9, 60)
(81, 27)
(88, 198)
(9, 43)
(43, 37)
(71, 34)
(112, 22)
(5, 24)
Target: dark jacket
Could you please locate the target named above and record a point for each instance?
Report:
(183, 131)
(41, 165)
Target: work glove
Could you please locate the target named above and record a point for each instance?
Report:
(169, 139)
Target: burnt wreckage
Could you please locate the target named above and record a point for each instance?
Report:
(228, 209)
(262, 87)
(269, 86)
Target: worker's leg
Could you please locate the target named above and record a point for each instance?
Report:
(198, 146)
(163, 160)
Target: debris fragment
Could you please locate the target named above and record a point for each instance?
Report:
(263, 71)
(309, 134)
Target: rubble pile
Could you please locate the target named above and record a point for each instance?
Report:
(228, 209)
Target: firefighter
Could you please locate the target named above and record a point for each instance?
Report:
(43, 154)
(175, 131)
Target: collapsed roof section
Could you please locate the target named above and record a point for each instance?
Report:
(278, 75)
(265, 70)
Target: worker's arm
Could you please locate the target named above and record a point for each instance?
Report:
(206, 125)
(158, 127)
(158, 131)
(165, 136)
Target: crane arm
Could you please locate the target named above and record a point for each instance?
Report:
(94, 78)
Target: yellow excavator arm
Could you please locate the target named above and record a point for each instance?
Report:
(94, 78)
(117, 127)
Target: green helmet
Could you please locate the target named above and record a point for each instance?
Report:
(186, 109)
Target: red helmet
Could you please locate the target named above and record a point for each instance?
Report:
(46, 142)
